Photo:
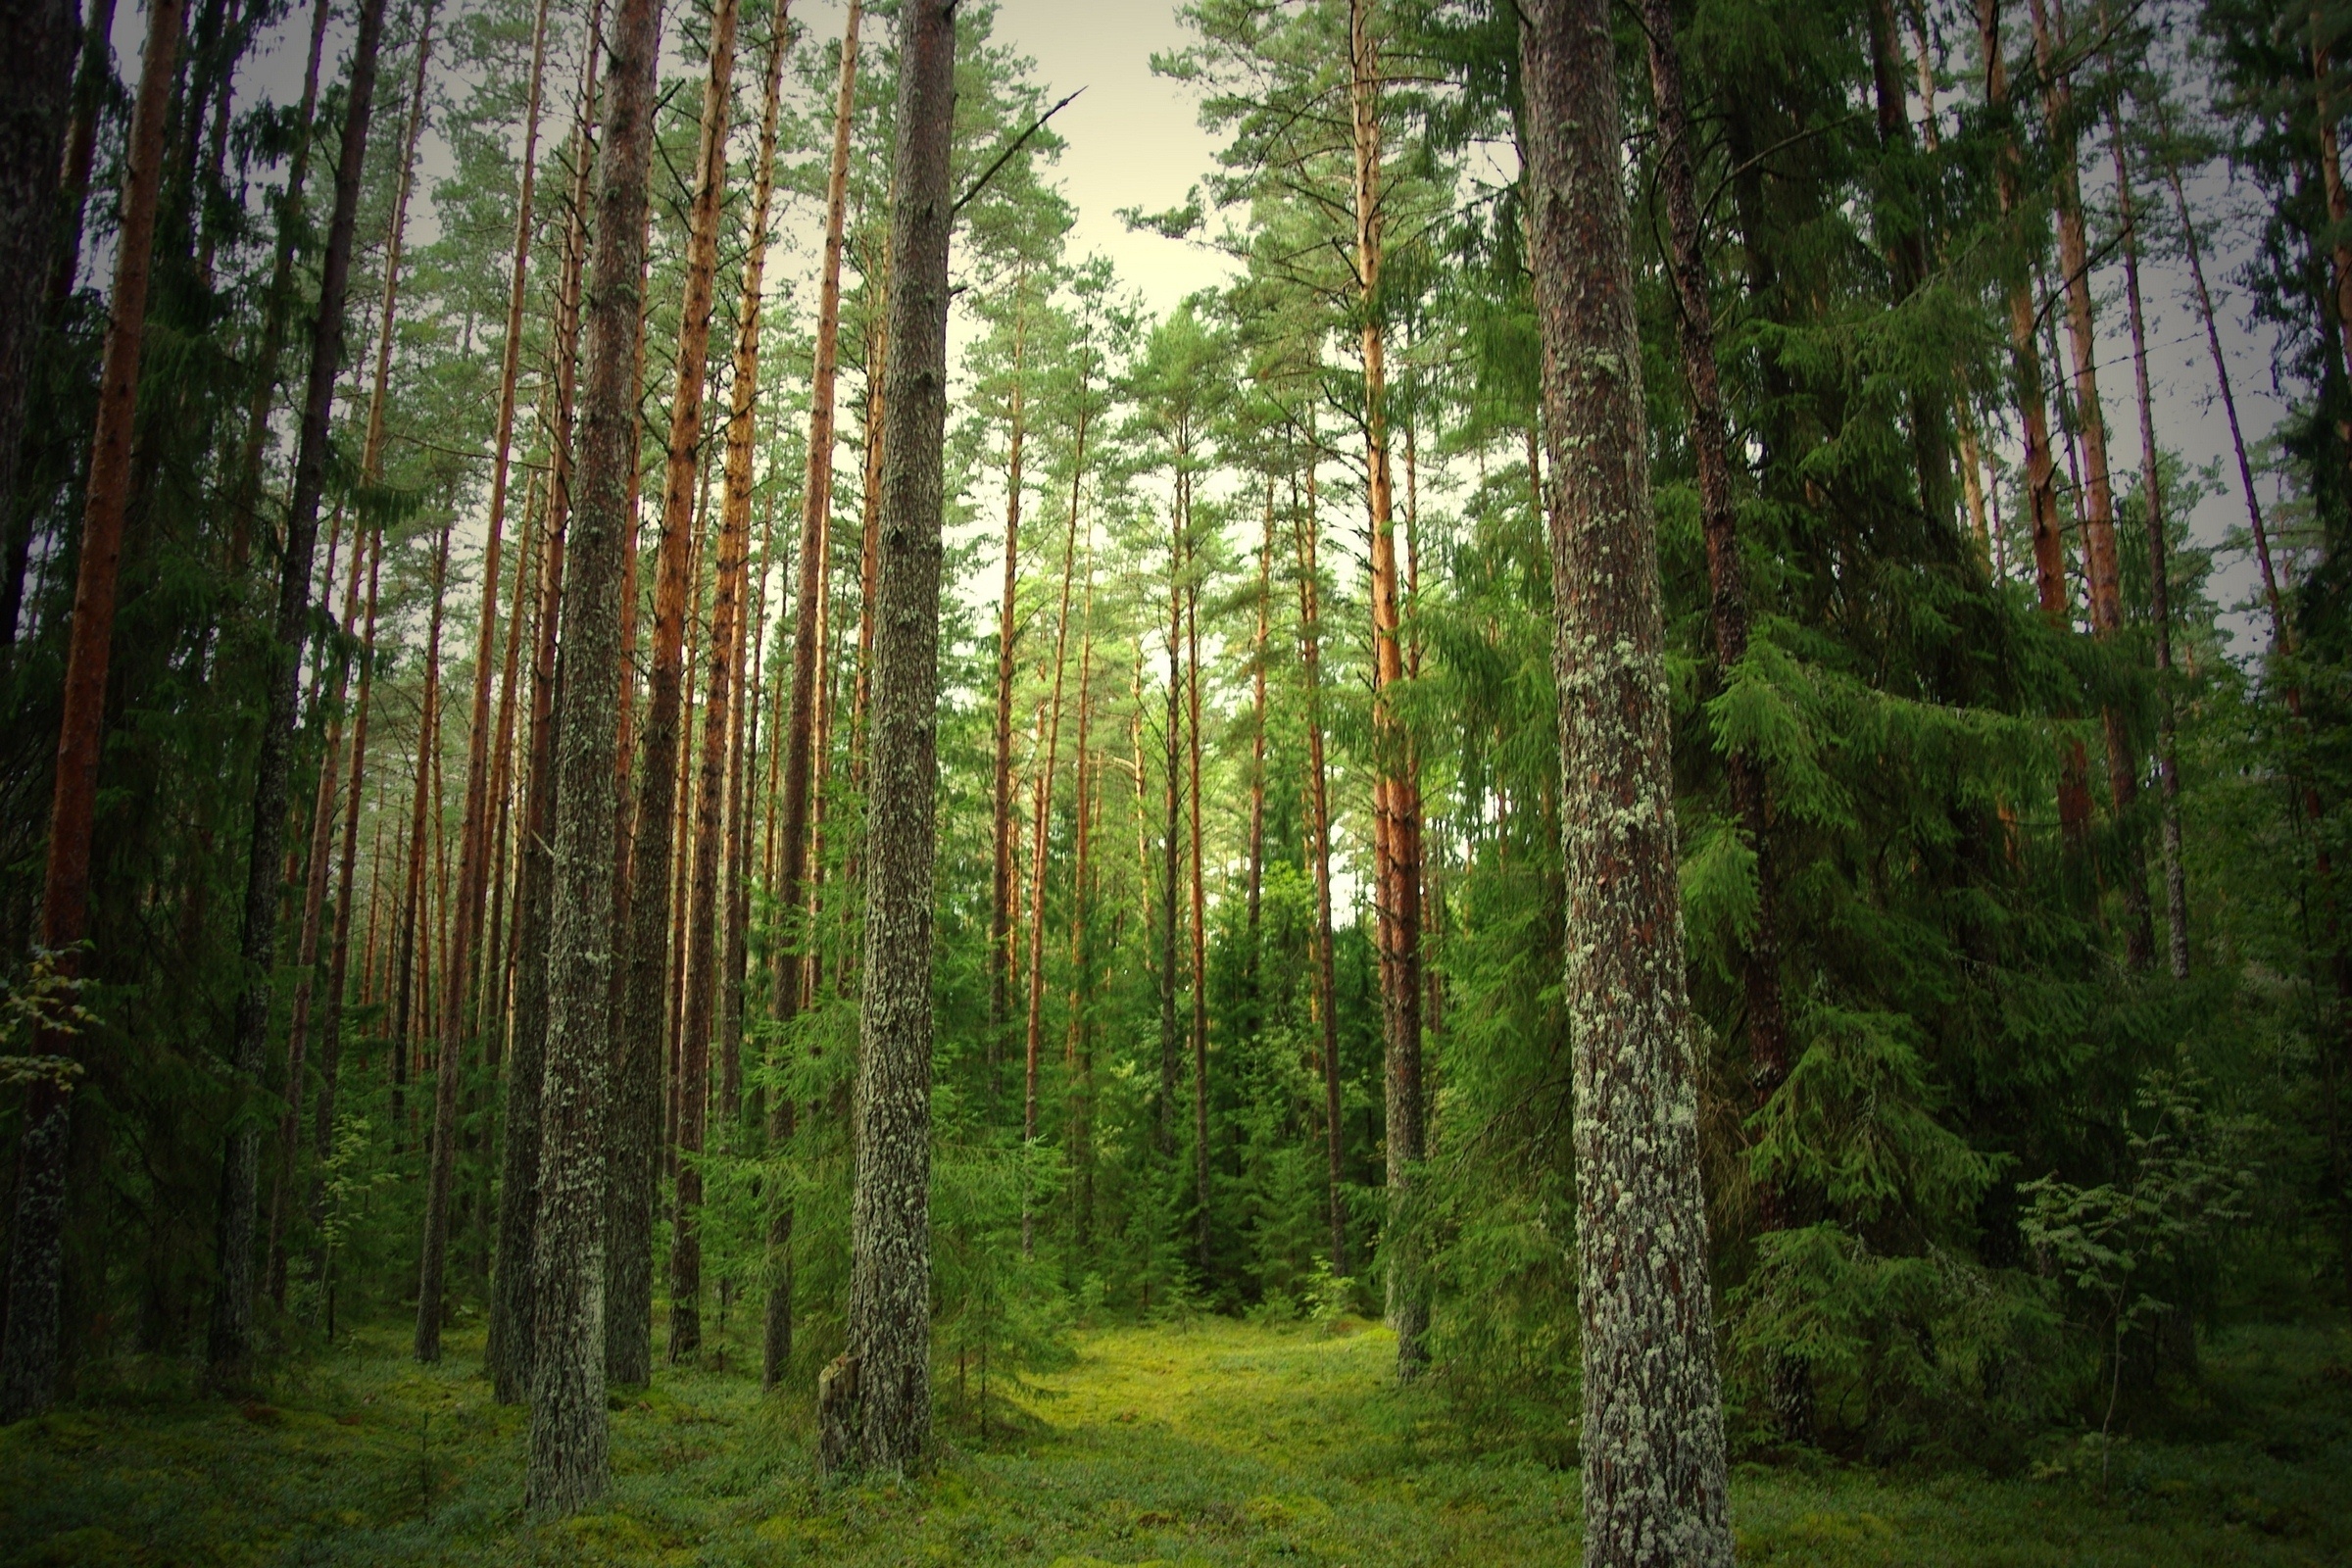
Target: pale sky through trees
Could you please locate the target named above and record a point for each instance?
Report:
(1134, 140)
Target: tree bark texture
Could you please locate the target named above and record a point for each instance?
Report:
(568, 1466)
(37, 37)
(889, 1327)
(1654, 1483)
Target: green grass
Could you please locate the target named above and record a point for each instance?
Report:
(1209, 1442)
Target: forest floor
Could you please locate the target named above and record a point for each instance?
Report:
(1210, 1443)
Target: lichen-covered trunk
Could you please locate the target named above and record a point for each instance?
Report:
(229, 1343)
(567, 1465)
(28, 1361)
(1652, 1441)
(888, 1427)
(474, 841)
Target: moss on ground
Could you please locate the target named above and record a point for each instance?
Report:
(1209, 1442)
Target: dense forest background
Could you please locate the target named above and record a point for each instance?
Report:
(2010, 838)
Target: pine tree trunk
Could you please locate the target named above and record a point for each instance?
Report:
(2160, 603)
(888, 1426)
(1078, 1048)
(1199, 902)
(1710, 445)
(999, 915)
(1039, 828)
(2101, 565)
(2041, 482)
(230, 1339)
(1318, 801)
(1258, 758)
(2282, 634)
(732, 577)
(1396, 806)
(567, 1467)
(798, 738)
(1171, 842)
(330, 1023)
(306, 963)
(638, 1107)
(28, 1345)
(473, 847)
(93, 78)
(1654, 1483)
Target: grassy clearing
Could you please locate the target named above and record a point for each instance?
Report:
(1212, 1443)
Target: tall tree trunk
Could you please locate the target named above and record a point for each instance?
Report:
(732, 577)
(1654, 1486)
(1319, 802)
(1078, 1051)
(869, 543)
(1397, 805)
(29, 1356)
(2160, 602)
(569, 1467)
(473, 847)
(638, 1107)
(1199, 902)
(314, 905)
(798, 738)
(275, 304)
(339, 964)
(2041, 481)
(2101, 565)
(93, 76)
(231, 1341)
(1171, 843)
(1039, 828)
(2283, 637)
(1000, 901)
(887, 1425)
(1710, 445)
(1258, 758)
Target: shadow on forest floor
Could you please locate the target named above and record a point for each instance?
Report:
(1212, 1442)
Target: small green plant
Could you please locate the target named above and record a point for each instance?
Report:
(2124, 1246)
(46, 999)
